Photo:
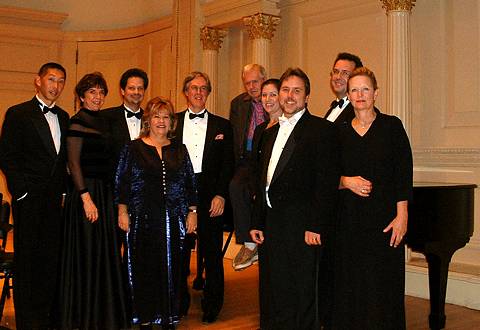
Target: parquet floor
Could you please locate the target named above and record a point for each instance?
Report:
(240, 311)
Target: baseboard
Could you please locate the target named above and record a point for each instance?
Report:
(463, 289)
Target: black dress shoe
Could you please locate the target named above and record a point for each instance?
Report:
(198, 283)
(168, 327)
(147, 326)
(209, 317)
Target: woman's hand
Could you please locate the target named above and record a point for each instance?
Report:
(191, 222)
(123, 217)
(398, 226)
(357, 184)
(124, 221)
(89, 207)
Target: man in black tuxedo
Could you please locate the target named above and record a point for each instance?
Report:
(125, 120)
(33, 159)
(246, 113)
(294, 208)
(209, 142)
(341, 110)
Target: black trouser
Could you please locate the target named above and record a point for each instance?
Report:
(241, 199)
(37, 239)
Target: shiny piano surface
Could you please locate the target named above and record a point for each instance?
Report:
(440, 222)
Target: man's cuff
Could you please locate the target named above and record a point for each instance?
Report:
(22, 197)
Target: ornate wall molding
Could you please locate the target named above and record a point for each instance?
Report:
(212, 37)
(406, 5)
(447, 157)
(261, 25)
(230, 12)
(28, 17)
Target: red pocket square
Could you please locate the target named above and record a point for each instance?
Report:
(219, 137)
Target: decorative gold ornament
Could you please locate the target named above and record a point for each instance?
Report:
(398, 5)
(261, 25)
(212, 37)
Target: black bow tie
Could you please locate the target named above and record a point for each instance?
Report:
(192, 115)
(336, 103)
(46, 109)
(137, 114)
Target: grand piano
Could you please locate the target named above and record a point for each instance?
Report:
(440, 222)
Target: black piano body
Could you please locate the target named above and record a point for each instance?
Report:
(440, 222)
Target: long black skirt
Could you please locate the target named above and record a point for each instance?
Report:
(91, 292)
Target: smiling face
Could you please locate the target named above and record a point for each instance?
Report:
(93, 98)
(339, 77)
(197, 94)
(50, 85)
(133, 93)
(361, 93)
(293, 97)
(160, 122)
(270, 100)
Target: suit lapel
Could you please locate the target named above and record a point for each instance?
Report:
(41, 124)
(210, 135)
(266, 149)
(290, 146)
(180, 122)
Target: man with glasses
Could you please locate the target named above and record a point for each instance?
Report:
(208, 139)
(341, 109)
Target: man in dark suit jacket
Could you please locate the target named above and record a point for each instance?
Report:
(246, 113)
(294, 208)
(125, 120)
(341, 110)
(33, 159)
(209, 142)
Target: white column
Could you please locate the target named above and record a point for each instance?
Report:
(211, 41)
(260, 29)
(399, 67)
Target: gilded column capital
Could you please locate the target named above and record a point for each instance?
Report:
(261, 25)
(406, 5)
(212, 38)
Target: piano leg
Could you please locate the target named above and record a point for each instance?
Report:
(437, 276)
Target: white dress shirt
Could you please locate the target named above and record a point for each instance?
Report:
(53, 123)
(337, 111)
(194, 133)
(134, 124)
(286, 127)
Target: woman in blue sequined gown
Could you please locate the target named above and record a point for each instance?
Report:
(156, 196)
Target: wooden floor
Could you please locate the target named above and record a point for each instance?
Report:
(240, 311)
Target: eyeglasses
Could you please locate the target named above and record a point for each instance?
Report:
(342, 73)
(201, 89)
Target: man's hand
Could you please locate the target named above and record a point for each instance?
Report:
(312, 238)
(257, 236)
(217, 206)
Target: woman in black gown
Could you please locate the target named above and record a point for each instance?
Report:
(375, 188)
(91, 294)
(157, 202)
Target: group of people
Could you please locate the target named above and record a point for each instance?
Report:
(107, 203)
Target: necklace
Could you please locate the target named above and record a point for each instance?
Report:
(365, 125)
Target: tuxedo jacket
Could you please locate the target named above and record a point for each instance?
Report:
(240, 115)
(345, 116)
(305, 182)
(118, 129)
(217, 160)
(27, 151)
